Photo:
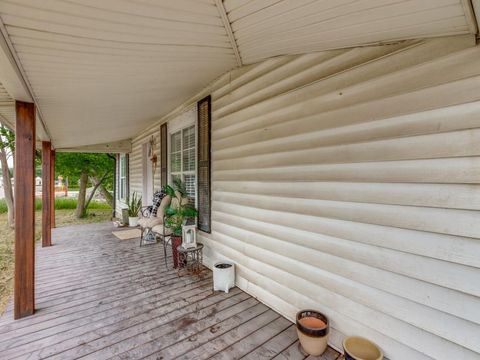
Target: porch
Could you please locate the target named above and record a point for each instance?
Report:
(99, 297)
(331, 149)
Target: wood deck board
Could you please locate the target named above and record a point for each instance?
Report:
(99, 297)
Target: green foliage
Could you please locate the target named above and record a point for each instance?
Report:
(7, 137)
(7, 142)
(3, 206)
(180, 210)
(72, 165)
(134, 204)
(60, 204)
(71, 203)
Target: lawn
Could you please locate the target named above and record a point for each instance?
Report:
(62, 218)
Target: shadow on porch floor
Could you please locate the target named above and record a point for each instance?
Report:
(99, 297)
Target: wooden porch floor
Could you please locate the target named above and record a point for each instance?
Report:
(99, 297)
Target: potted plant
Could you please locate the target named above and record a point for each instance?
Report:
(177, 213)
(134, 206)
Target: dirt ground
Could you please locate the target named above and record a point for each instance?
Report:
(62, 218)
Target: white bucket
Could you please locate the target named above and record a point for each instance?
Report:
(223, 276)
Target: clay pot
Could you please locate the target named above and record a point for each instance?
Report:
(312, 330)
(176, 242)
(358, 348)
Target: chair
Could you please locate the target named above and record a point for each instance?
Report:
(164, 233)
(153, 216)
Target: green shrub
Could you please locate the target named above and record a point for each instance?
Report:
(3, 206)
(60, 203)
(65, 203)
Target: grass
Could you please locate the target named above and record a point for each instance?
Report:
(61, 204)
(64, 217)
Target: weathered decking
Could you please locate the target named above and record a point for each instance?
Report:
(99, 297)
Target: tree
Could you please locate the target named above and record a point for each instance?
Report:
(7, 150)
(87, 167)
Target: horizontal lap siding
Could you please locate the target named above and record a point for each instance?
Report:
(136, 161)
(119, 204)
(348, 181)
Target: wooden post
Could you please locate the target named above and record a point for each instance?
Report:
(52, 184)
(46, 193)
(24, 284)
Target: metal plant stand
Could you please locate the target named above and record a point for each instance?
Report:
(190, 260)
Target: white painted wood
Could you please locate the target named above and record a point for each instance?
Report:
(124, 64)
(228, 30)
(7, 108)
(476, 11)
(122, 146)
(285, 27)
(147, 175)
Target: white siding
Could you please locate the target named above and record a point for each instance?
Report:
(136, 161)
(136, 181)
(348, 181)
(119, 203)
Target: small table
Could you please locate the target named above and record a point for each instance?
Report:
(190, 260)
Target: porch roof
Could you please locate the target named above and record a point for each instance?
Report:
(117, 66)
(101, 297)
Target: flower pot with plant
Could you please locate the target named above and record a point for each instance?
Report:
(177, 213)
(134, 206)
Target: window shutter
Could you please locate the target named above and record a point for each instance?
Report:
(204, 174)
(163, 154)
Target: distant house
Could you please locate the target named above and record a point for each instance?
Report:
(38, 181)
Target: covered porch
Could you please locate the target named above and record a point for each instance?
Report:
(332, 149)
(100, 297)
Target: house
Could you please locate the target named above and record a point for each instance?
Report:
(332, 148)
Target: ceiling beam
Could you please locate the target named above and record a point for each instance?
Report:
(14, 79)
(471, 9)
(122, 146)
(4, 121)
(228, 29)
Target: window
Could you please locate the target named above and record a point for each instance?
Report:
(183, 162)
(123, 177)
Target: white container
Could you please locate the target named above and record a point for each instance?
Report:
(132, 221)
(223, 276)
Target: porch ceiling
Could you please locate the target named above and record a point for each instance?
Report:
(101, 71)
(7, 108)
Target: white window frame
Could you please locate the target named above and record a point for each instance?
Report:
(186, 120)
(122, 178)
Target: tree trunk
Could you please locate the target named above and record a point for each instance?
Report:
(94, 190)
(82, 192)
(7, 186)
(107, 195)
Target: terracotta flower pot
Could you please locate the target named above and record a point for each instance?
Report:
(358, 348)
(312, 330)
(176, 242)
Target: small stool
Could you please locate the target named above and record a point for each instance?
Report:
(190, 260)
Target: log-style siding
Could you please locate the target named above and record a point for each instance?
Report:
(349, 181)
(136, 161)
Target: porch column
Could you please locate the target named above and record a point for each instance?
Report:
(46, 193)
(24, 301)
(52, 184)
